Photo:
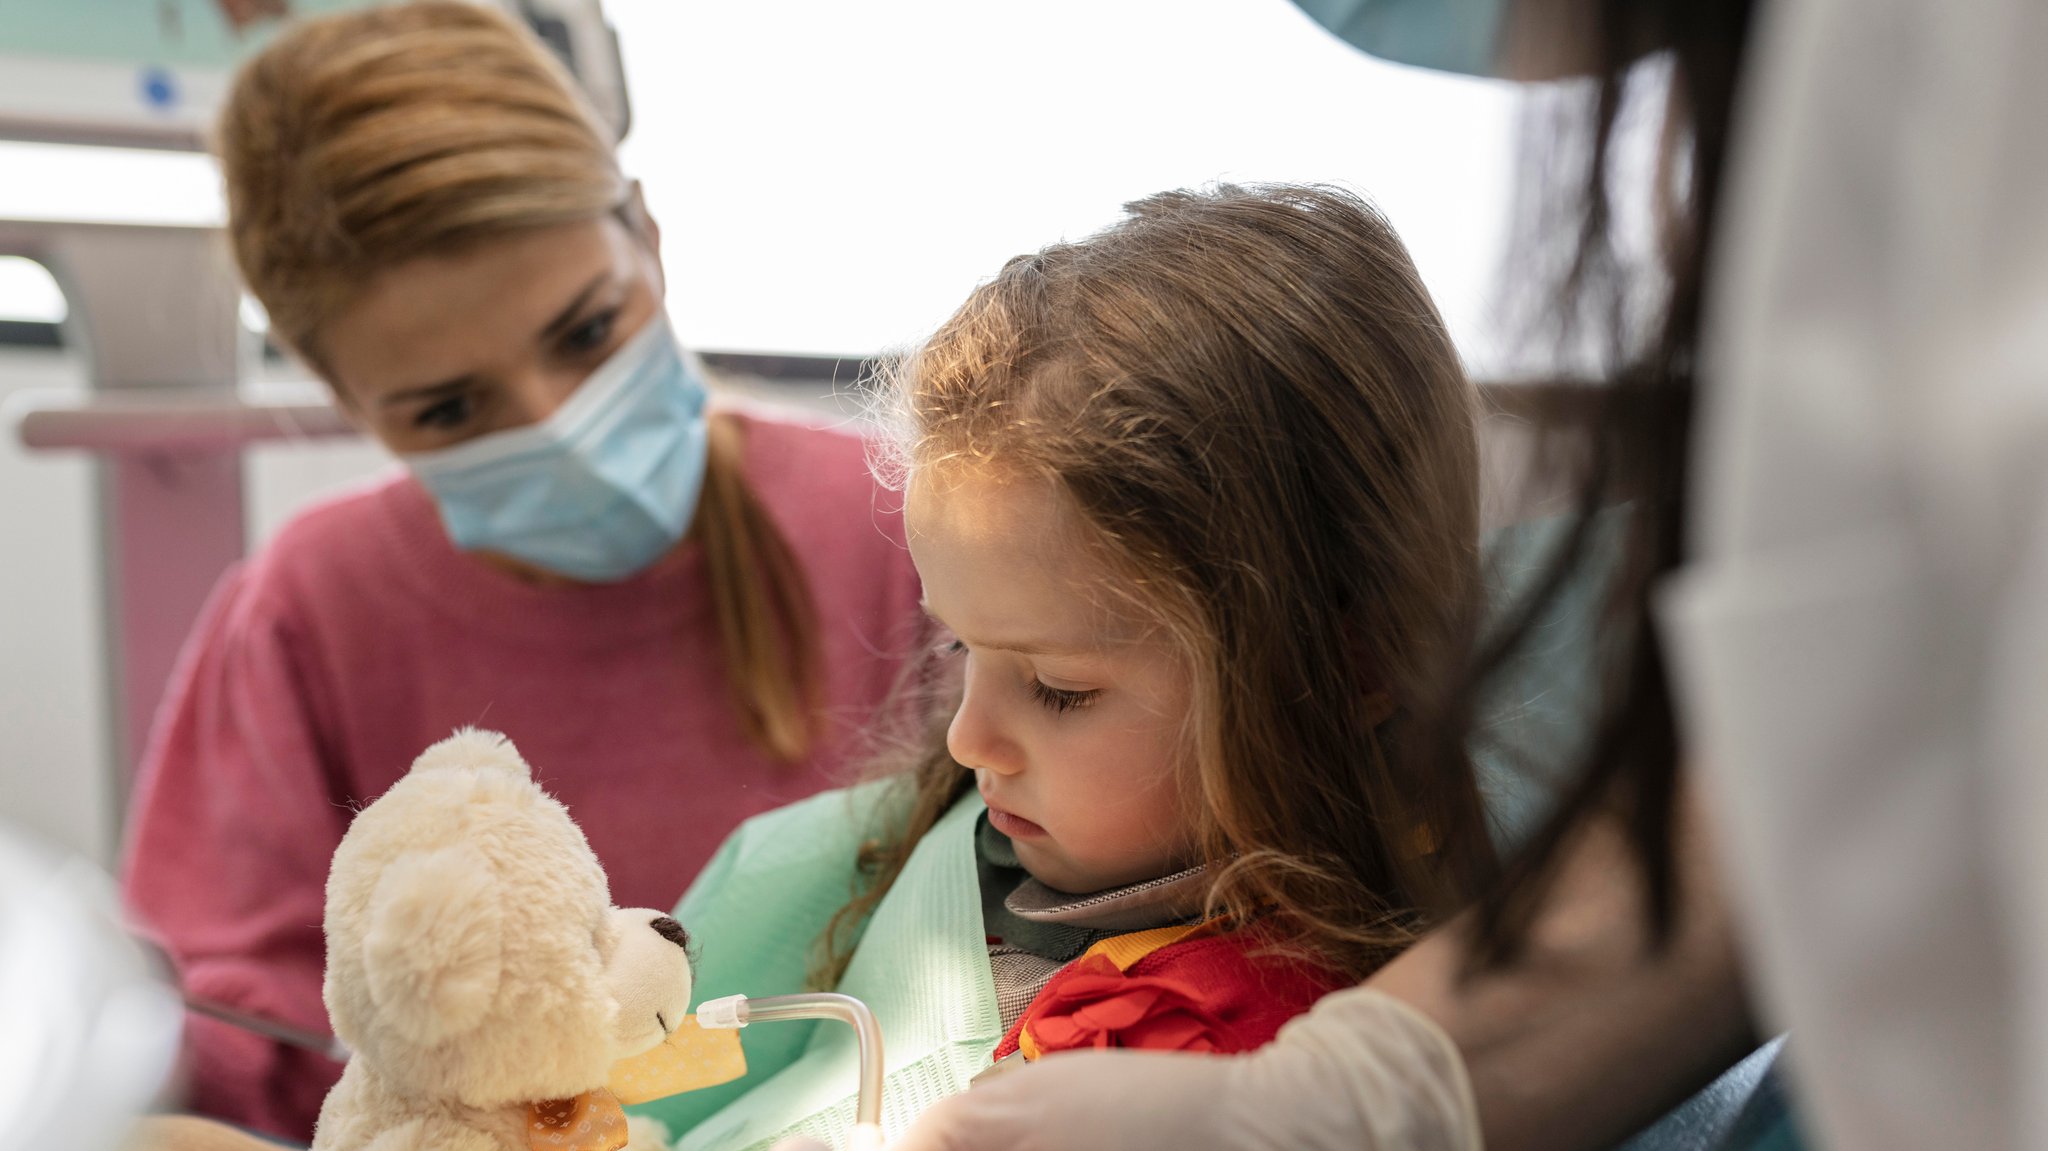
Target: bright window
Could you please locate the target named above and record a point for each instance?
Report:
(834, 178)
(28, 293)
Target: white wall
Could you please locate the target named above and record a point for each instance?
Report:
(836, 177)
(55, 775)
(278, 478)
(56, 771)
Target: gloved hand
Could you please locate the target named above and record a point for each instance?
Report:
(1362, 1072)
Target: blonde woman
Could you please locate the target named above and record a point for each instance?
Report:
(681, 615)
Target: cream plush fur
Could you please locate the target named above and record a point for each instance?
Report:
(475, 963)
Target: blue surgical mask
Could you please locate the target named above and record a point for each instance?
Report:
(600, 489)
(1446, 35)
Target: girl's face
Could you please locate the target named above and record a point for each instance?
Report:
(445, 348)
(1073, 714)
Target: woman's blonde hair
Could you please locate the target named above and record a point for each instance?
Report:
(359, 141)
(1249, 399)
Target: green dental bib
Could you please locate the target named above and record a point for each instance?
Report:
(922, 965)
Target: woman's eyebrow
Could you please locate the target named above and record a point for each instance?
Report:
(426, 391)
(562, 320)
(567, 316)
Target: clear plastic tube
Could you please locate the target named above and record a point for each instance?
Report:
(736, 1011)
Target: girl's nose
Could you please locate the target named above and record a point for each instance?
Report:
(975, 738)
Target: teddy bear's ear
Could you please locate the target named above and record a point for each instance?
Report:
(473, 748)
(433, 947)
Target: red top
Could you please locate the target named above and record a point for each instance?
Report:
(1214, 993)
(325, 663)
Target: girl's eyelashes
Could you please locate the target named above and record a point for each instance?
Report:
(1059, 700)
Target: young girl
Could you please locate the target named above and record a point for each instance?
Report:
(1194, 504)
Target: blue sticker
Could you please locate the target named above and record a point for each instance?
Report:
(159, 88)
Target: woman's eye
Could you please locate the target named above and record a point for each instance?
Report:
(1059, 700)
(452, 412)
(948, 647)
(591, 334)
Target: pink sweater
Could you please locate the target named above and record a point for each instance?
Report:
(323, 665)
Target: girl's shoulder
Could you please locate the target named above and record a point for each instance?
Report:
(1247, 965)
(821, 835)
(1194, 989)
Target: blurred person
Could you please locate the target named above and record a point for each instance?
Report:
(1831, 608)
(682, 613)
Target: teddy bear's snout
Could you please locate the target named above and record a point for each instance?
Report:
(670, 930)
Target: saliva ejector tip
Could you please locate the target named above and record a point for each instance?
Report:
(727, 1014)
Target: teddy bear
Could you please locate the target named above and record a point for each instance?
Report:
(480, 975)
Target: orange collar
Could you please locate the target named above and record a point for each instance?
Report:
(592, 1121)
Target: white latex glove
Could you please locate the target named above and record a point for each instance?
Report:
(1362, 1072)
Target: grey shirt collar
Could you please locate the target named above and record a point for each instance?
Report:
(1140, 906)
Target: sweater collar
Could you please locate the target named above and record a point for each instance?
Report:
(1138, 906)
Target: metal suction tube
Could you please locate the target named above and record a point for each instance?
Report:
(735, 1011)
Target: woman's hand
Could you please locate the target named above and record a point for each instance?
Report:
(1589, 1036)
(1592, 1033)
(1362, 1072)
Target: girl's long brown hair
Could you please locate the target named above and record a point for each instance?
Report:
(1254, 407)
(360, 141)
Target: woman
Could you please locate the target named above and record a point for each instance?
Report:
(1859, 638)
(681, 617)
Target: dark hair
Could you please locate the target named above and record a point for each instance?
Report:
(1636, 424)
